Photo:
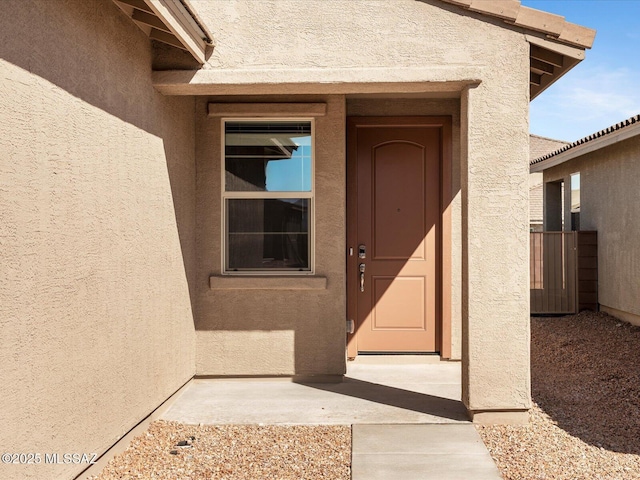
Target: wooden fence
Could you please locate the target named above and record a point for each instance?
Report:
(563, 272)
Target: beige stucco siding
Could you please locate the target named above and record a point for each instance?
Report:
(610, 204)
(356, 46)
(495, 234)
(377, 47)
(278, 331)
(97, 202)
(539, 146)
(308, 34)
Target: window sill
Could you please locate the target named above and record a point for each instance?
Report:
(291, 282)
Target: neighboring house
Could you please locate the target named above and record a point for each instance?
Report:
(180, 203)
(538, 146)
(608, 164)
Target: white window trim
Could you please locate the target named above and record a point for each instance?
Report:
(229, 195)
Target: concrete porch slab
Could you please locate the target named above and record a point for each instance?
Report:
(370, 394)
(406, 416)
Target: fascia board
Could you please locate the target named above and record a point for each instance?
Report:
(180, 28)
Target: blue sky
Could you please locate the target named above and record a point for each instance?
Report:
(603, 89)
(294, 174)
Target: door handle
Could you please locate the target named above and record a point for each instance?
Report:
(362, 267)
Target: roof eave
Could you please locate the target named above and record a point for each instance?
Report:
(512, 12)
(587, 147)
(569, 57)
(562, 43)
(172, 22)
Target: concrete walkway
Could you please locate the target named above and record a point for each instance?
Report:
(406, 416)
(412, 452)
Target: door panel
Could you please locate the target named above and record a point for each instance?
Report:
(397, 171)
(399, 303)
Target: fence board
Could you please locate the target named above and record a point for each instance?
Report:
(587, 257)
(553, 263)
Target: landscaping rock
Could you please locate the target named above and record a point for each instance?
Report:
(585, 422)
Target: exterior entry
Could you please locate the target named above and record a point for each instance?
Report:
(394, 230)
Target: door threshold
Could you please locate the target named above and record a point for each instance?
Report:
(400, 353)
(397, 359)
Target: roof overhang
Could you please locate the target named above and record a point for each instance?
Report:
(548, 62)
(172, 22)
(371, 81)
(556, 45)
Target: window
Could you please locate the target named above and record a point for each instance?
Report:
(575, 201)
(268, 196)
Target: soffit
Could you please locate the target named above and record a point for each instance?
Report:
(556, 45)
(172, 22)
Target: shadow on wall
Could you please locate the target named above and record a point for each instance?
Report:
(399, 170)
(269, 326)
(58, 42)
(306, 327)
(54, 41)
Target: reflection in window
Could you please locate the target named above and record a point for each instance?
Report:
(575, 201)
(268, 195)
(268, 157)
(268, 233)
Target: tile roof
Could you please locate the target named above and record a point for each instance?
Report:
(556, 45)
(539, 146)
(512, 12)
(590, 138)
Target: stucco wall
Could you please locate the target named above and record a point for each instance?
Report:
(400, 46)
(97, 196)
(280, 331)
(539, 146)
(610, 204)
(495, 238)
(273, 35)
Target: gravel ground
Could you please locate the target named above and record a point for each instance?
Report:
(234, 452)
(585, 424)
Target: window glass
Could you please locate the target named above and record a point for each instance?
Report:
(268, 193)
(268, 233)
(575, 192)
(272, 157)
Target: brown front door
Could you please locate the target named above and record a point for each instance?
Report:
(394, 167)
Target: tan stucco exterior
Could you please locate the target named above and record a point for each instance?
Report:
(609, 202)
(112, 294)
(362, 53)
(97, 194)
(275, 329)
(495, 248)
